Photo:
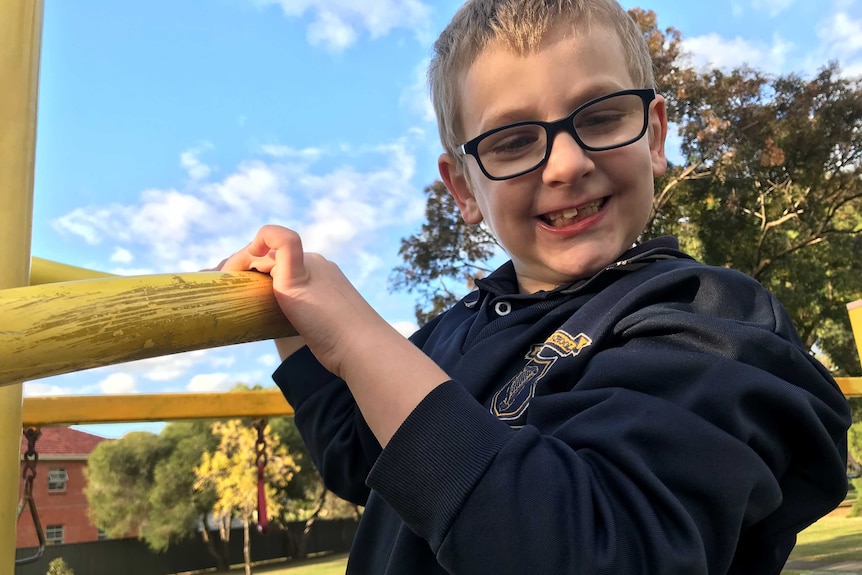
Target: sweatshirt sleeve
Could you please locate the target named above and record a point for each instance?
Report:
(689, 444)
(341, 445)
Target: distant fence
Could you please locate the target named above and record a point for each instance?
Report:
(133, 557)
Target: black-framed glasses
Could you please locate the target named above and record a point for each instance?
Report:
(609, 122)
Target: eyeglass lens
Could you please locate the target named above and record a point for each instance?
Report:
(606, 124)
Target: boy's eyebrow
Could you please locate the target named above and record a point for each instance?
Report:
(496, 120)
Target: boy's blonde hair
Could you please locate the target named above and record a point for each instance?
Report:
(520, 25)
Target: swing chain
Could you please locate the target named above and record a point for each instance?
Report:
(261, 460)
(31, 458)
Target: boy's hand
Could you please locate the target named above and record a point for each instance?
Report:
(244, 261)
(313, 293)
(341, 329)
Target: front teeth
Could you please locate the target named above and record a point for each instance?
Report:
(572, 213)
(564, 215)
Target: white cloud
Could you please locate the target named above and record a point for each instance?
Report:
(840, 38)
(169, 367)
(332, 31)
(713, 50)
(39, 389)
(222, 361)
(368, 264)
(773, 7)
(405, 328)
(208, 382)
(337, 212)
(118, 383)
(269, 360)
(416, 97)
(122, 256)
(337, 24)
(162, 216)
(836, 37)
(195, 168)
(127, 271)
(84, 223)
(287, 152)
(347, 206)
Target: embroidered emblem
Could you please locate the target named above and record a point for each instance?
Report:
(512, 400)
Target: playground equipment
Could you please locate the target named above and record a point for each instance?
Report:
(75, 332)
(53, 322)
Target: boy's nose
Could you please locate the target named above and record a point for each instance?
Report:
(567, 161)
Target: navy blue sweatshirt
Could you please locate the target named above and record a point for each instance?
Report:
(660, 417)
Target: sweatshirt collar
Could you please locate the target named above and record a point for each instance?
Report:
(504, 281)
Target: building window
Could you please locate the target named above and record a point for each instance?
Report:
(57, 479)
(54, 534)
(101, 535)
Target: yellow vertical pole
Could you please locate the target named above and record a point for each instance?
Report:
(855, 311)
(20, 44)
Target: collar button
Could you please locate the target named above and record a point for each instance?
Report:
(503, 308)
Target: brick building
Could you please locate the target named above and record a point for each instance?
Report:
(58, 488)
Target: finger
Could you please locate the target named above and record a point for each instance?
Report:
(239, 261)
(285, 246)
(272, 237)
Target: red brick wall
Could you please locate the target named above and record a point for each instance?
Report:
(68, 508)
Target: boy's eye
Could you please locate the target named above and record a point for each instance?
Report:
(600, 121)
(513, 142)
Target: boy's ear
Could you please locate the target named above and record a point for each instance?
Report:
(459, 187)
(657, 135)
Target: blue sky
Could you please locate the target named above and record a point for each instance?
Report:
(171, 130)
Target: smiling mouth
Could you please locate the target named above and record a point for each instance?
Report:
(571, 216)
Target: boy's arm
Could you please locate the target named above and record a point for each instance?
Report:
(342, 330)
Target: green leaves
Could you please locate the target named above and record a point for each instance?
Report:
(231, 470)
(444, 258)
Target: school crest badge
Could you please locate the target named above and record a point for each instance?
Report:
(512, 400)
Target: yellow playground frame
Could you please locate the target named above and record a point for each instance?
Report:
(58, 318)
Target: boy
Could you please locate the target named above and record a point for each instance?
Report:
(592, 407)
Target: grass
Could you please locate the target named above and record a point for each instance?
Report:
(332, 565)
(834, 539)
(328, 565)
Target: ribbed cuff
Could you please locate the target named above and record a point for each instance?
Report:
(432, 463)
(300, 376)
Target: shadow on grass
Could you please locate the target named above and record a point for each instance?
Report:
(299, 567)
(835, 550)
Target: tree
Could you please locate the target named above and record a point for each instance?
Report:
(59, 566)
(445, 249)
(179, 510)
(305, 498)
(142, 485)
(768, 183)
(854, 448)
(120, 476)
(231, 470)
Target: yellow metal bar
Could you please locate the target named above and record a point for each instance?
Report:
(80, 409)
(63, 327)
(73, 410)
(851, 386)
(855, 311)
(20, 41)
(44, 271)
